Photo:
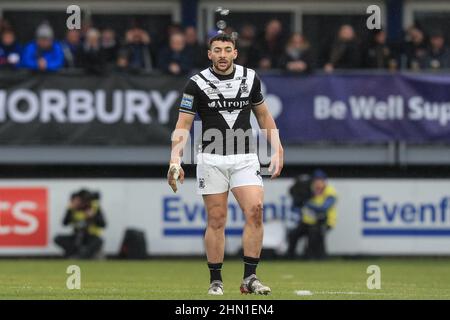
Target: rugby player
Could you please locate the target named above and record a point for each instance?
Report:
(223, 96)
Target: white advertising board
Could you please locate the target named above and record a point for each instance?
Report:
(375, 216)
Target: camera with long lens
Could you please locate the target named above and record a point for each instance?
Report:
(95, 196)
(301, 190)
(86, 198)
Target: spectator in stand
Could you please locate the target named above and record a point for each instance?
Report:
(415, 48)
(93, 56)
(297, 57)
(175, 59)
(4, 25)
(9, 50)
(136, 55)
(43, 54)
(110, 47)
(248, 55)
(196, 50)
(229, 30)
(271, 45)
(163, 40)
(172, 29)
(345, 52)
(438, 55)
(72, 48)
(378, 54)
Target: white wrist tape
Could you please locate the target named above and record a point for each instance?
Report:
(175, 170)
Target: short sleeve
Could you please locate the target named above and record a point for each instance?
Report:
(189, 100)
(256, 95)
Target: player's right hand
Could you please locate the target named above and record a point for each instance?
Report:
(175, 173)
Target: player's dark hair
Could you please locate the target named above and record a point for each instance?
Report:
(222, 37)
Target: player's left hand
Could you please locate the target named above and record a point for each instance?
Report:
(276, 163)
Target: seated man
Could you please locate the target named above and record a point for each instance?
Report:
(86, 217)
(318, 216)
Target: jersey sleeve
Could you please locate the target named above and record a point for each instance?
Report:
(189, 100)
(256, 96)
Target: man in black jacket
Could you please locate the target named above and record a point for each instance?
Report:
(176, 58)
(345, 52)
(297, 57)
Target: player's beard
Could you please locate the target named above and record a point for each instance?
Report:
(220, 66)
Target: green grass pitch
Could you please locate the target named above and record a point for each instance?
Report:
(188, 279)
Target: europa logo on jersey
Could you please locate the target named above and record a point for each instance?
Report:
(183, 218)
(413, 218)
(23, 217)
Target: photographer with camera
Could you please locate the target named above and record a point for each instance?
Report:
(316, 200)
(87, 220)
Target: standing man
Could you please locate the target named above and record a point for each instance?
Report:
(223, 96)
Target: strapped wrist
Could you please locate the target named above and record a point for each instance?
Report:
(176, 160)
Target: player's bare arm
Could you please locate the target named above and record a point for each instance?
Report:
(179, 139)
(267, 123)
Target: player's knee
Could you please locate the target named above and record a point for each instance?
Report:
(217, 219)
(255, 215)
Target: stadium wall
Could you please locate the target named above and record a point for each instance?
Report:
(375, 217)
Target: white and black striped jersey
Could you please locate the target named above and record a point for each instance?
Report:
(224, 103)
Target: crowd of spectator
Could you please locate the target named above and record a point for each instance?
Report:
(98, 51)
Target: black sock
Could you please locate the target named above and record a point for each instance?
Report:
(250, 265)
(215, 271)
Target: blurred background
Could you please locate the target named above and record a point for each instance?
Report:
(86, 117)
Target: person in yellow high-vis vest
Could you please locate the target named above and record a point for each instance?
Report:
(318, 215)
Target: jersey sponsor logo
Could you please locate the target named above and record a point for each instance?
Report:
(226, 104)
(187, 101)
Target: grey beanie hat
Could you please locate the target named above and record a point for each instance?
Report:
(44, 31)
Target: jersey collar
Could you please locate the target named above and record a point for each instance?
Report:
(221, 76)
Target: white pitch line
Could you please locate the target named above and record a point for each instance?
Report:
(310, 293)
(352, 293)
